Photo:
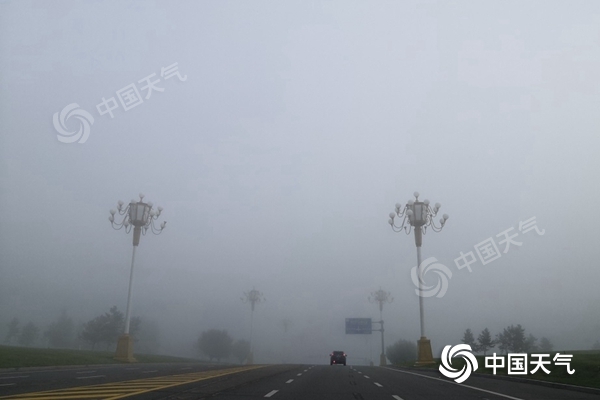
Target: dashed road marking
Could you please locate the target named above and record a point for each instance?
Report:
(14, 377)
(378, 384)
(397, 397)
(289, 381)
(366, 377)
(299, 374)
(86, 372)
(271, 393)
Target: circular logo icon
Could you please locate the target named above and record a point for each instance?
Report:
(443, 273)
(460, 350)
(84, 118)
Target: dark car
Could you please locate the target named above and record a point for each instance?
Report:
(338, 357)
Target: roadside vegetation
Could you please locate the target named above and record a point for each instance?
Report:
(513, 339)
(20, 357)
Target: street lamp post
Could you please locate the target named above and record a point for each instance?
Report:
(253, 297)
(381, 297)
(285, 324)
(141, 217)
(418, 215)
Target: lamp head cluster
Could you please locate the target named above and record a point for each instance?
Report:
(137, 214)
(416, 214)
(253, 297)
(381, 296)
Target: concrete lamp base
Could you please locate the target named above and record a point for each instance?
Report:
(382, 360)
(425, 354)
(125, 349)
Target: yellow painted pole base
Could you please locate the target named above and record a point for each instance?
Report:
(425, 354)
(125, 349)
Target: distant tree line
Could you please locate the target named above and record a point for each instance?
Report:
(217, 344)
(512, 339)
(103, 329)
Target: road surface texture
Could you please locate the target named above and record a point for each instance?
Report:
(278, 382)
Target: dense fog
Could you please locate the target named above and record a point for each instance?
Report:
(278, 145)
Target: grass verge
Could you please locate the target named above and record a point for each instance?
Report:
(19, 357)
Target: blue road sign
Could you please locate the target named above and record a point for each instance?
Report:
(358, 326)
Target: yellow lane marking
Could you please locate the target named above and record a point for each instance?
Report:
(119, 390)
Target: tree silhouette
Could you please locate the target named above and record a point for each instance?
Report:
(215, 344)
(60, 332)
(29, 334)
(13, 330)
(469, 339)
(545, 345)
(401, 351)
(485, 341)
(240, 350)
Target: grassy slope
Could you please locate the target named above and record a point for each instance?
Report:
(17, 357)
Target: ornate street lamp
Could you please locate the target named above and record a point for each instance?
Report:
(141, 217)
(253, 297)
(418, 215)
(381, 297)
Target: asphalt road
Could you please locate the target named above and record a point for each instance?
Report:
(285, 382)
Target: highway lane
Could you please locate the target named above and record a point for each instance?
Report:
(285, 382)
(377, 383)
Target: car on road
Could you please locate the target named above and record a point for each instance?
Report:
(337, 357)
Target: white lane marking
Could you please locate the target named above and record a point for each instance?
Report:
(149, 372)
(86, 372)
(454, 383)
(271, 393)
(91, 377)
(7, 384)
(397, 397)
(305, 370)
(378, 384)
(299, 374)
(359, 372)
(14, 377)
(366, 377)
(289, 381)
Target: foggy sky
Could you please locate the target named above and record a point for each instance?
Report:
(278, 159)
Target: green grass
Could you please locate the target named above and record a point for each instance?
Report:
(18, 357)
(585, 363)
